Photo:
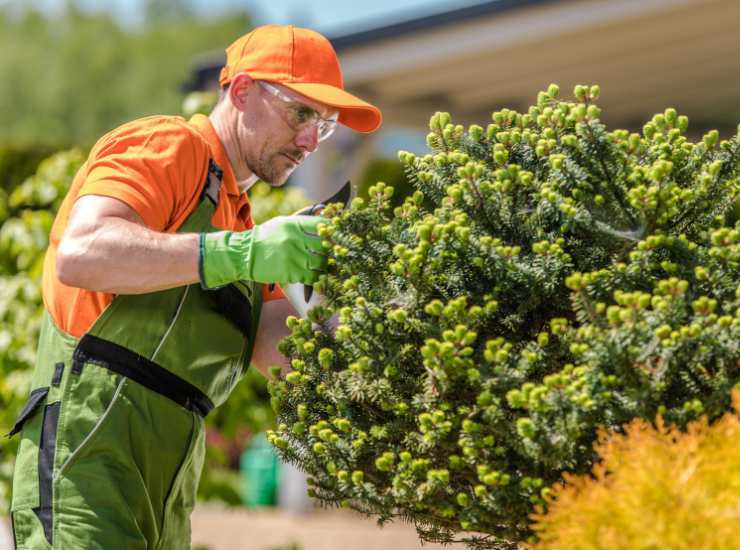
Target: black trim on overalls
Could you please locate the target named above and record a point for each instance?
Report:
(34, 400)
(47, 446)
(56, 380)
(141, 370)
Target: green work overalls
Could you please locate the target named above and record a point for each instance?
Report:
(113, 433)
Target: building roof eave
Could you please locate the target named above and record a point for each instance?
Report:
(346, 41)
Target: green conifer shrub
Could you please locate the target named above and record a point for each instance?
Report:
(547, 277)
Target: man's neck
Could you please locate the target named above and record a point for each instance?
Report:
(226, 133)
(245, 184)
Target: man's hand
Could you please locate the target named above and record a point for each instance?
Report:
(284, 250)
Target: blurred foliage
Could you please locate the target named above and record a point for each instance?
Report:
(201, 102)
(390, 172)
(26, 215)
(653, 488)
(268, 202)
(17, 163)
(73, 76)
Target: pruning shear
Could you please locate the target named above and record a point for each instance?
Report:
(300, 296)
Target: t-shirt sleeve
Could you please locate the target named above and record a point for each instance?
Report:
(154, 168)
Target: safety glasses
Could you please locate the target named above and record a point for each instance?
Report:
(300, 116)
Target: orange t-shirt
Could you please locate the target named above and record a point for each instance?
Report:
(156, 165)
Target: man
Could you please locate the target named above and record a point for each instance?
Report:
(153, 288)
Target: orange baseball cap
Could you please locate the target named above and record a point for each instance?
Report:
(304, 61)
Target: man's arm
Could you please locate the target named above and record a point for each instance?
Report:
(270, 331)
(106, 247)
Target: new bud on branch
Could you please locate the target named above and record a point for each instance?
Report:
(548, 276)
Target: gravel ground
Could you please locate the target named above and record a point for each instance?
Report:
(216, 528)
(272, 529)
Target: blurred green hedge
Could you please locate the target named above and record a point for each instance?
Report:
(26, 215)
(18, 162)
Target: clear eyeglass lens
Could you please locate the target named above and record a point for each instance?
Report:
(326, 128)
(302, 116)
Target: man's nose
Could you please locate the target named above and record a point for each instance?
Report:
(307, 139)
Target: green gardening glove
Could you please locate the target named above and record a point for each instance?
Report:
(283, 250)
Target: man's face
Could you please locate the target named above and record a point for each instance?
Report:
(279, 130)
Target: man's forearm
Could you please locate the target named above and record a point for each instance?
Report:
(122, 256)
(271, 330)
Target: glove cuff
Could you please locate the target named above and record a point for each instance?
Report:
(224, 257)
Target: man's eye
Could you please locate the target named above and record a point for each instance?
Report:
(302, 114)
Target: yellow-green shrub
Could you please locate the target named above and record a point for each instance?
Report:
(654, 488)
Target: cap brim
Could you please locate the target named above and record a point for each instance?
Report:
(353, 112)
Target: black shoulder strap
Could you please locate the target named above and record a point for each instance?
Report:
(212, 185)
(234, 301)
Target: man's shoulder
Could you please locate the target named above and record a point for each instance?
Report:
(160, 123)
(155, 131)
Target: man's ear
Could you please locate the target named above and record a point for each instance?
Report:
(241, 86)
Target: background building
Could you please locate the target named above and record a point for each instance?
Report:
(645, 54)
